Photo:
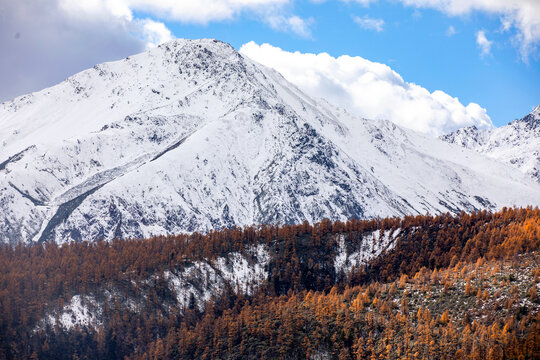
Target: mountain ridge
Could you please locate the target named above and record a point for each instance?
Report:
(192, 136)
(517, 143)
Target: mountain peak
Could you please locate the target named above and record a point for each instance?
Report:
(535, 114)
(532, 120)
(516, 143)
(469, 137)
(184, 44)
(201, 42)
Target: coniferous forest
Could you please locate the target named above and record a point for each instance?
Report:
(418, 287)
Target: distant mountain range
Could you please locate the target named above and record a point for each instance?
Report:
(192, 136)
(517, 143)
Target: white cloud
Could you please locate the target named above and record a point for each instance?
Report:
(200, 11)
(43, 42)
(370, 89)
(155, 33)
(483, 43)
(369, 23)
(451, 31)
(523, 15)
(116, 11)
(193, 11)
(271, 12)
(293, 24)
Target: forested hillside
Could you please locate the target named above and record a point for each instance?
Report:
(424, 287)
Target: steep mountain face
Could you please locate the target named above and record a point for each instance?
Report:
(517, 143)
(192, 136)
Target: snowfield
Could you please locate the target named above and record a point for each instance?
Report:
(212, 277)
(373, 244)
(517, 143)
(192, 136)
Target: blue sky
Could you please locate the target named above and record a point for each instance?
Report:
(482, 52)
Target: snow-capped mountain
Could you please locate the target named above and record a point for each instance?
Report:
(517, 143)
(192, 136)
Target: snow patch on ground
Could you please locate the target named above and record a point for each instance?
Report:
(237, 271)
(373, 244)
(200, 280)
(80, 311)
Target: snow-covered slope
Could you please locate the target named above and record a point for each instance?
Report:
(517, 143)
(192, 136)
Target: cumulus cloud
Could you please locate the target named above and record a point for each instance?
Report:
(369, 23)
(522, 15)
(200, 11)
(370, 90)
(483, 43)
(204, 11)
(43, 42)
(186, 11)
(155, 32)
